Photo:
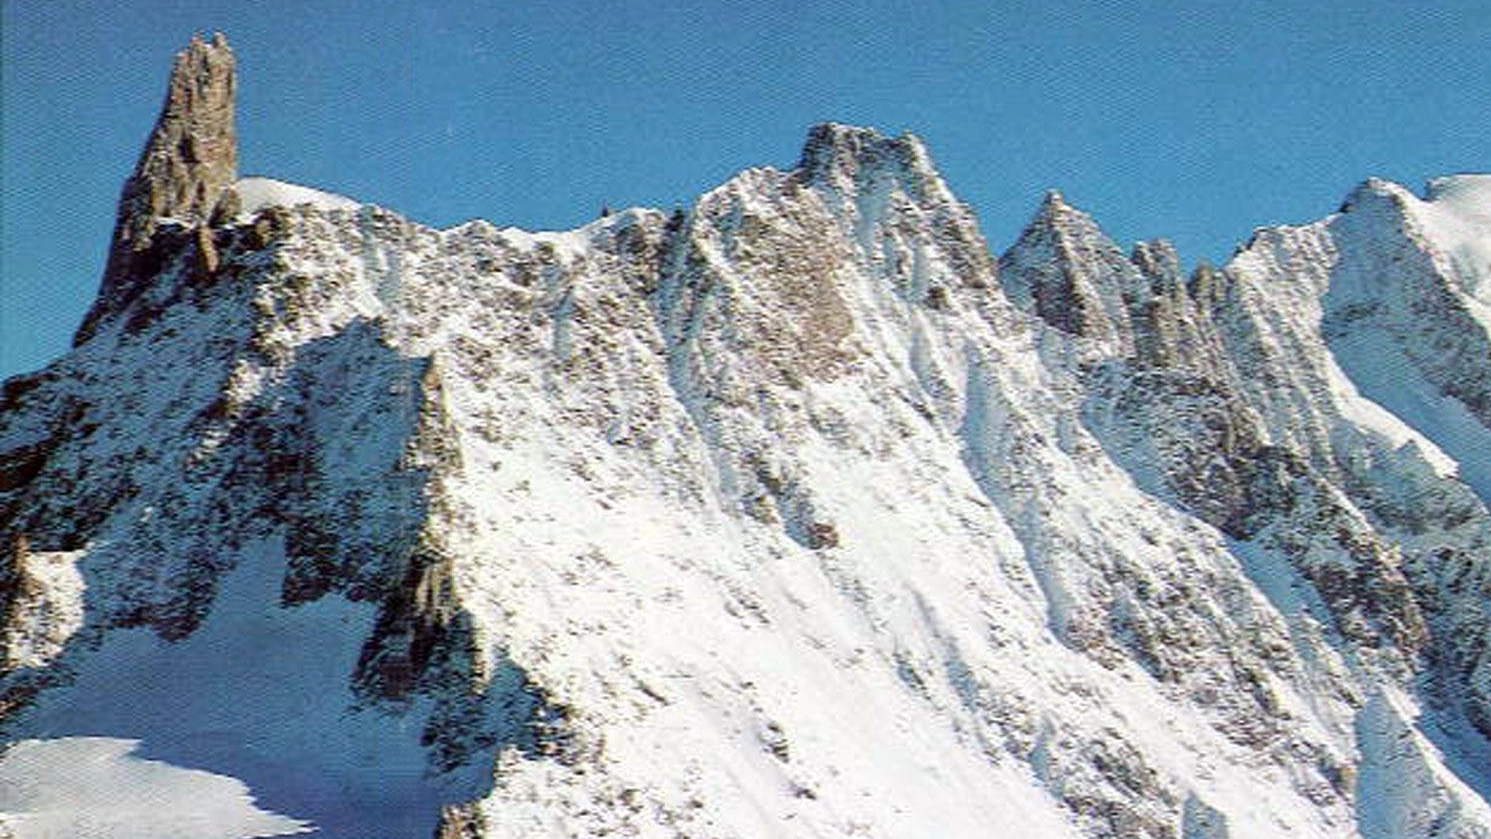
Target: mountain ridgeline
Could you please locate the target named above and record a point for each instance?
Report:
(794, 514)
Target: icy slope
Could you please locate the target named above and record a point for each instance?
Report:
(1455, 218)
(794, 514)
(1409, 309)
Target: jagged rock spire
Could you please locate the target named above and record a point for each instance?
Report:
(192, 154)
(190, 159)
(1066, 270)
(843, 156)
(830, 145)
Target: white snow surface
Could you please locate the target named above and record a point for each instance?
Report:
(1400, 255)
(255, 194)
(1456, 216)
(100, 788)
(259, 694)
(791, 520)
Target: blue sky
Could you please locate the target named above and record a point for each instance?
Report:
(1196, 122)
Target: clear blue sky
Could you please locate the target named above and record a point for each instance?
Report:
(1193, 121)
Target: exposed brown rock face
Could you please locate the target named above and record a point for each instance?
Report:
(190, 160)
(460, 822)
(14, 581)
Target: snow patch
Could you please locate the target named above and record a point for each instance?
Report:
(1457, 220)
(1373, 415)
(98, 788)
(255, 194)
(1385, 376)
(1403, 785)
(261, 693)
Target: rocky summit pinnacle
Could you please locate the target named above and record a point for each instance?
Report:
(189, 162)
(192, 155)
(840, 155)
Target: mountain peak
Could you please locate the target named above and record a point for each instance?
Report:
(1465, 195)
(190, 159)
(631, 529)
(192, 153)
(1067, 271)
(843, 155)
(1062, 219)
(1375, 192)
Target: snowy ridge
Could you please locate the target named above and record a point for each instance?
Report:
(796, 514)
(1455, 216)
(255, 194)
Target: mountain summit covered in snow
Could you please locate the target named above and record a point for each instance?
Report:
(796, 514)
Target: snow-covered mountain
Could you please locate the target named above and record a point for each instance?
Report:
(795, 514)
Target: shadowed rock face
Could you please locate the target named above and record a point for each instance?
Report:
(190, 160)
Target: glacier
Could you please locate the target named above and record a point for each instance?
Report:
(794, 513)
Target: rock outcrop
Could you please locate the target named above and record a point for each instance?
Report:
(40, 606)
(189, 162)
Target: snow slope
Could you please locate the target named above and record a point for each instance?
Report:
(1455, 218)
(220, 699)
(255, 194)
(1408, 309)
(97, 788)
